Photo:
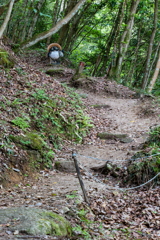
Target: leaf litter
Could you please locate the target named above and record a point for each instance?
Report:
(113, 214)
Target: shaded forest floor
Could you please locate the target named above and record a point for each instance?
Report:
(115, 215)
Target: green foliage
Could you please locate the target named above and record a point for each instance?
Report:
(40, 94)
(73, 195)
(149, 166)
(21, 123)
(5, 60)
(82, 232)
(155, 137)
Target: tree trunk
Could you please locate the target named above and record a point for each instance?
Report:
(136, 54)
(65, 28)
(145, 81)
(34, 19)
(54, 20)
(155, 75)
(154, 59)
(108, 44)
(6, 20)
(20, 22)
(120, 23)
(125, 39)
(74, 31)
(22, 38)
(56, 28)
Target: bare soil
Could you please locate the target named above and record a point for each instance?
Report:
(49, 189)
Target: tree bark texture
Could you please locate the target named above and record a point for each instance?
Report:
(6, 20)
(120, 23)
(154, 59)
(65, 28)
(155, 75)
(145, 81)
(54, 20)
(23, 35)
(56, 28)
(108, 44)
(125, 40)
(139, 39)
(34, 19)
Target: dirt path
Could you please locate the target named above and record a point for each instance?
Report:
(50, 189)
(124, 117)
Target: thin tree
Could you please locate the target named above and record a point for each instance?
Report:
(125, 40)
(54, 20)
(155, 75)
(145, 77)
(7, 17)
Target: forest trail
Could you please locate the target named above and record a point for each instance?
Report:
(54, 190)
(122, 116)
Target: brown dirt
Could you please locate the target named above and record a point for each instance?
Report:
(123, 116)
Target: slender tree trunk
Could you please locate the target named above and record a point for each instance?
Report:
(117, 32)
(6, 20)
(154, 59)
(65, 28)
(21, 21)
(74, 30)
(120, 23)
(136, 54)
(125, 40)
(34, 19)
(155, 75)
(54, 20)
(145, 79)
(108, 44)
(23, 35)
(56, 28)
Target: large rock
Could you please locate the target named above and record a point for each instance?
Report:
(65, 166)
(121, 137)
(34, 221)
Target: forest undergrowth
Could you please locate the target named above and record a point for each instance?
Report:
(41, 122)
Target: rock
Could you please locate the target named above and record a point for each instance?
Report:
(126, 140)
(65, 166)
(101, 106)
(122, 137)
(83, 81)
(38, 204)
(35, 221)
(65, 210)
(55, 71)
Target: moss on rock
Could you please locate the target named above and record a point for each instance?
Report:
(35, 221)
(30, 140)
(55, 71)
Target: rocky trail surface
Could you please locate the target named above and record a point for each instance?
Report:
(115, 214)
